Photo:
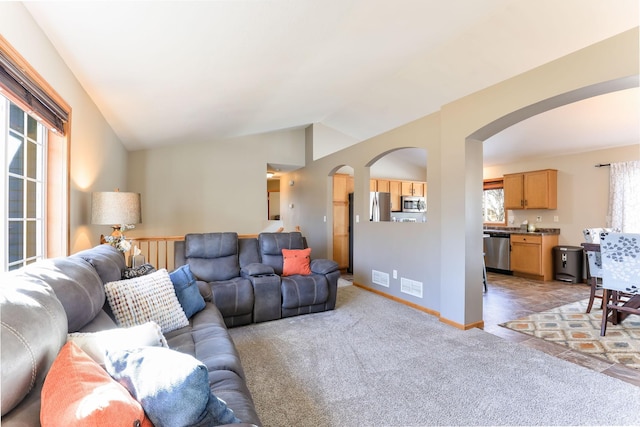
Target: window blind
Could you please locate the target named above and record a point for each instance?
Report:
(31, 95)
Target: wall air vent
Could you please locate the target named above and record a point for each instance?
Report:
(411, 287)
(380, 278)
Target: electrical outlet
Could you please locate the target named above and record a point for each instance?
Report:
(556, 218)
(538, 219)
(395, 274)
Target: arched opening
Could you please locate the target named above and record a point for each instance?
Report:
(402, 173)
(473, 309)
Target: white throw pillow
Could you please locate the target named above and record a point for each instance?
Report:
(146, 298)
(95, 344)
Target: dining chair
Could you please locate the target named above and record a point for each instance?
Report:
(594, 264)
(620, 254)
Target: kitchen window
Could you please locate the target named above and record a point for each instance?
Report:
(34, 183)
(493, 212)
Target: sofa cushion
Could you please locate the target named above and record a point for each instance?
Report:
(179, 396)
(296, 261)
(107, 260)
(95, 344)
(76, 284)
(271, 245)
(27, 351)
(78, 392)
(300, 291)
(208, 339)
(233, 297)
(147, 298)
(248, 251)
(213, 256)
(187, 290)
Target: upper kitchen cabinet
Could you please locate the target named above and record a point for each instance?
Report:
(531, 190)
(411, 188)
(381, 185)
(395, 188)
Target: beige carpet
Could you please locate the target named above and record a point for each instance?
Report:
(374, 362)
(570, 326)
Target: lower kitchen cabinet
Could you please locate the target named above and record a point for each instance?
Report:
(532, 255)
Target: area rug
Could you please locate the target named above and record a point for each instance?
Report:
(570, 326)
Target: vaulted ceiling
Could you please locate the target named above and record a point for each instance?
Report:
(180, 71)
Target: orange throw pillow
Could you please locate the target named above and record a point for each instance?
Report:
(78, 392)
(296, 261)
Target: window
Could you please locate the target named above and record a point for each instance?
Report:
(624, 197)
(34, 178)
(493, 202)
(22, 159)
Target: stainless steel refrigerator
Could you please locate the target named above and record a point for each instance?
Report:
(380, 206)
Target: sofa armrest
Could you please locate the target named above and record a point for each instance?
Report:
(205, 290)
(323, 266)
(256, 269)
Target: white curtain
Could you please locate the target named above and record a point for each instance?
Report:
(624, 196)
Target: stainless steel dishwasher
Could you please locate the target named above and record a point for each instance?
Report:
(497, 252)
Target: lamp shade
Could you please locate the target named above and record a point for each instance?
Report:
(115, 207)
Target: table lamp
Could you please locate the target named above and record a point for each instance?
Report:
(115, 208)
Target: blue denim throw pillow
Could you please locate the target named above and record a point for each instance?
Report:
(187, 290)
(172, 387)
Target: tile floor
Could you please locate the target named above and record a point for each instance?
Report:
(509, 298)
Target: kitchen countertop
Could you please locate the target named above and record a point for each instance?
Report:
(517, 230)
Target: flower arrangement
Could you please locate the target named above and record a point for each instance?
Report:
(118, 241)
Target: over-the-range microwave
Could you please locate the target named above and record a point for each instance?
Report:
(414, 204)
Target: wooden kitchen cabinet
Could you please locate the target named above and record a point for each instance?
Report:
(342, 186)
(395, 188)
(531, 190)
(381, 185)
(414, 188)
(398, 189)
(532, 255)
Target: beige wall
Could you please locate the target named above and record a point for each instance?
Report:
(97, 157)
(445, 254)
(583, 190)
(210, 185)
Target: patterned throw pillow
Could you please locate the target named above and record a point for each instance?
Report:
(141, 270)
(147, 298)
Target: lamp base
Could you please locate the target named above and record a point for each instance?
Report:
(116, 233)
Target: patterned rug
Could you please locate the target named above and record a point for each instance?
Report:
(570, 326)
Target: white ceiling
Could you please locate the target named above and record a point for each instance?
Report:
(181, 71)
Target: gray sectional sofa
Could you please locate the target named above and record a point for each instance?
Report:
(43, 302)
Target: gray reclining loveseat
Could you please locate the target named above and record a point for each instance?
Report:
(242, 276)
